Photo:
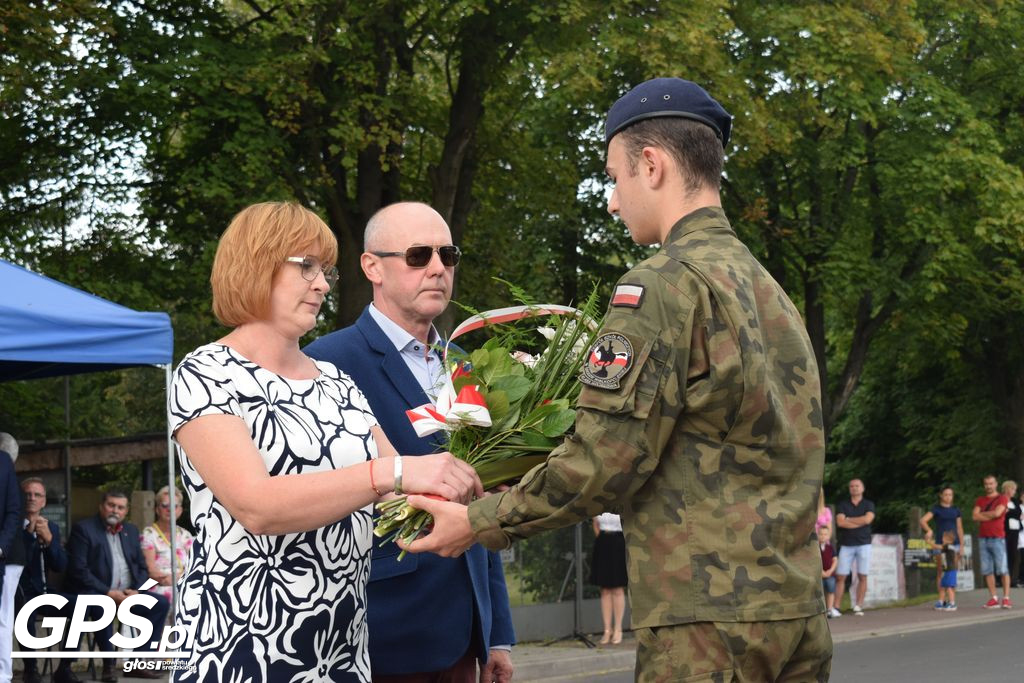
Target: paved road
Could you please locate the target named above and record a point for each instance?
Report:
(979, 653)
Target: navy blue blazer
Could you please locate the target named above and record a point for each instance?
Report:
(90, 564)
(10, 505)
(423, 611)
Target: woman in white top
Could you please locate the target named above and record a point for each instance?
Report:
(608, 570)
(282, 460)
(1020, 548)
(1012, 528)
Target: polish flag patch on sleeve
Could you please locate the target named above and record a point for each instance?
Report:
(628, 295)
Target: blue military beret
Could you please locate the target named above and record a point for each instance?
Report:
(668, 97)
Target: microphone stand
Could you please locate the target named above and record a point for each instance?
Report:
(577, 613)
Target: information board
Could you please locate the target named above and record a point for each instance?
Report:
(886, 580)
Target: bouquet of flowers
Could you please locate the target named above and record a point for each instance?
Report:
(504, 410)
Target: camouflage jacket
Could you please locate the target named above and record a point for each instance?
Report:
(701, 426)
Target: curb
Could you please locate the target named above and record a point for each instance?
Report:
(536, 663)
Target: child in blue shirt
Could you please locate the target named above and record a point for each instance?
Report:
(947, 559)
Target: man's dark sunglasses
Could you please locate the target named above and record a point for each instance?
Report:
(419, 256)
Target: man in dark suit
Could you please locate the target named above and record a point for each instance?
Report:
(10, 497)
(43, 554)
(11, 557)
(430, 618)
(105, 558)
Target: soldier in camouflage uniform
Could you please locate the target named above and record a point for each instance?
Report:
(700, 423)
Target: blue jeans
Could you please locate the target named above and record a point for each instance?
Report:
(854, 554)
(993, 556)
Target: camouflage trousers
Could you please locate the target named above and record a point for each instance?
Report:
(798, 650)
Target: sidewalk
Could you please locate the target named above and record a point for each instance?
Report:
(571, 660)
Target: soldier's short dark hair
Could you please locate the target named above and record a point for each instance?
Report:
(694, 147)
(113, 493)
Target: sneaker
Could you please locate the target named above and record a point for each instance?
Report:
(993, 603)
(950, 607)
(857, 611)
(1007, 604)
(941, 604)
(834, 613)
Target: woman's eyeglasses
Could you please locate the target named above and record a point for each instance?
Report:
(311, 266)
(419, 256)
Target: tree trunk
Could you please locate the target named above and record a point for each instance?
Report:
(378, 176)
(814, 318)
(452, 178)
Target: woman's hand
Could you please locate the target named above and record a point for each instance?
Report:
(441, 474)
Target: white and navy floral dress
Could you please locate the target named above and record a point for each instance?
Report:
(282, 608)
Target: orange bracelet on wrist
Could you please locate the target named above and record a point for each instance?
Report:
(372, 485)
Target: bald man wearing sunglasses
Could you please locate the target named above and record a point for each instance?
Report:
(430, 618)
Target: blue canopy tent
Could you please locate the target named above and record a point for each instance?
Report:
(48, 329)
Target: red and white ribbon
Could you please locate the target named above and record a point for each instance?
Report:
(451, 411)
(498, 316)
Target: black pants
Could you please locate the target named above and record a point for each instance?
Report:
(1013, 555)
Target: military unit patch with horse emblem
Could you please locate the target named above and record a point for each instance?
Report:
(610, 359)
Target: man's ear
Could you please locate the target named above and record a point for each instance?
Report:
(652, 165)
(371, 267)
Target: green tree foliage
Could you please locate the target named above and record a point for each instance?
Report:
(64, 129)
(877, 171)
(875, 168)
(344, 107)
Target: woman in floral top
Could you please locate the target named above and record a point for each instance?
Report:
(156, 543)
